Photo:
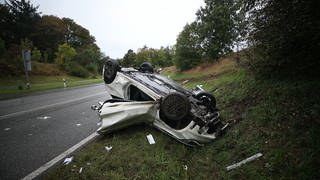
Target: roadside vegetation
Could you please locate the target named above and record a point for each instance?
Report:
(43, 77)
(52, 41)
(276, 118)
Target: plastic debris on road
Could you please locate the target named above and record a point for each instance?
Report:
(80, 171)
(99, 124)
(44, 117)
(108, 148)
(67, 160)
(150, 139)
(233, 166)
(7, 129)
(78, 124)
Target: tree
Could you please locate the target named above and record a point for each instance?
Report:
(36, 54)
(76, 35)
(129, 59)
(65, 54)
(49, 33)
(23, 18)
(216, 27)
(285, 37)
(187, 50)
(143, 55)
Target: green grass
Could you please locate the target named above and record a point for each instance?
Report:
(13, 85)
(279, 118)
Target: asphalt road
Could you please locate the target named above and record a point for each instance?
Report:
(36, 128)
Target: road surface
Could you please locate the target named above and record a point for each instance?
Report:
(36, 128)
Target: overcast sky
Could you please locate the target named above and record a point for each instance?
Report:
(120, 25)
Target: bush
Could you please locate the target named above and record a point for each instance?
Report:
(75, 69)
(92, 67)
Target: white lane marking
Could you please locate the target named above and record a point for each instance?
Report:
(44, 117)
(55, 160)
(48, 106)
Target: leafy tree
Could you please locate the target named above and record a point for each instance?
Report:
(49, 33)
(187, 50)
(285, 37)
(36, 54)
(216, 27)
(76, 35)
(21, 20)
(65, 54)
(89, 57)
(6, 25)
(167, 56)
(26, 44)
(129, 59)
(143, 55)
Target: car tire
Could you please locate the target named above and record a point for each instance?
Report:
(175, 107)
(146, 67)
(208, 99)
(110, 71)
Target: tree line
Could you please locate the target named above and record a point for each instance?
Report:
(158, 57)
(278, 38)
(51, 40)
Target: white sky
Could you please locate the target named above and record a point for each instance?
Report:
(120, 25)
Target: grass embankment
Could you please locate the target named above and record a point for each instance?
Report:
(12, 85)
(278, 118)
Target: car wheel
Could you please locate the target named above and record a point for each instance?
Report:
(146, 67)
(207, 99)
(110, 71)
(175, 107)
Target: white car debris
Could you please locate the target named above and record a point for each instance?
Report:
(249, 159)
(108, 148)
(150, 139)
(68, 160)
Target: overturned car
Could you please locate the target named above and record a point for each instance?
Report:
(141, 95)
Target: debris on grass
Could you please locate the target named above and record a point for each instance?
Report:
(236, 165)
(80, 171)
(150, 139)
(185, 167)
(185, 82)
(108, 148)
(67, 160)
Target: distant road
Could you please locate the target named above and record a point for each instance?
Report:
(38, 127)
